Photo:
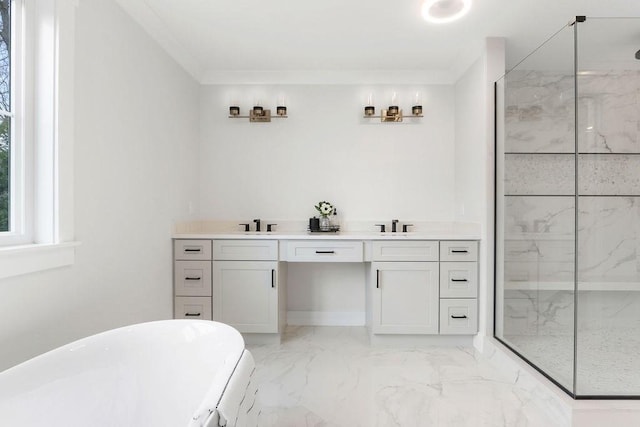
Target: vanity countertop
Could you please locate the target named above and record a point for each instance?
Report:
(438, 231)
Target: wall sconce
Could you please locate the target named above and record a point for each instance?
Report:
(258, 114)
(393, 113)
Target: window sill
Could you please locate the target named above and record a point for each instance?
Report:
(25, 259)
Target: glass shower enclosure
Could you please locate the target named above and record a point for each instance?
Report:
(568, 208)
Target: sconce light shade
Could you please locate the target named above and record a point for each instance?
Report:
(416, 109)
(369, 109)
(281, 106)
(259, 114)
(393, 113)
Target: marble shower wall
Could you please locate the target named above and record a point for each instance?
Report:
(540, 219)
(539, 116)
(609, 243)
(609, 112)
(539, 112)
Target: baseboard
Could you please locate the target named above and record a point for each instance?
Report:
(325, 318)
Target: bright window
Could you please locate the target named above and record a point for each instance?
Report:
(13, 163)
(6, 139)
(36, 135)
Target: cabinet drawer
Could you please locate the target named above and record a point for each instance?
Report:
(245, 250)
(192, 308)
(458, 280)
(192, 249)
(458, 316)
(458, 251)
(422, 250)
(325, 251)
(192, 278)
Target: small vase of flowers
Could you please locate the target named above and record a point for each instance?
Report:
(325, 209)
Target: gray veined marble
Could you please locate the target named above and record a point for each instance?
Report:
(609, 112)
(542, 216)
(609, 242)
(545, 311)
(331, 376)
(539, 112)
(607, 341)
(539, 243)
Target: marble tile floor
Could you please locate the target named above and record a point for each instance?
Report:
(331, 376)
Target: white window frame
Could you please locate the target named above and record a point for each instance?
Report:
(44, 158)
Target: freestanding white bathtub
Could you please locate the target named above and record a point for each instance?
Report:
(170, 373)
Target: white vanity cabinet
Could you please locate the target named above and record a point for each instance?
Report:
(404, 294)
(458, 287)
(246, 284)
(192, 279)
(412, 286)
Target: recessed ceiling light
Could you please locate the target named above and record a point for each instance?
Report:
(443, 11)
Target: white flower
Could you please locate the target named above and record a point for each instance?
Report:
(325, 208)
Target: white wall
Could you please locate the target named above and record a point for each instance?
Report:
(325, 150)
(135, 164)
(474, 159)
(470, 197)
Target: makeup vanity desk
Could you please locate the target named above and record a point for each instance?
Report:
(418, 284)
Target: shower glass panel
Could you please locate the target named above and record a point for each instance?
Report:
(536, 209)
(568, 208)
(608, 280)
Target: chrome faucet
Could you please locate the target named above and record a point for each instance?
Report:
(257, 221)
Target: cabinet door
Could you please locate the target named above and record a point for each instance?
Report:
(245, 295)
(405, 297)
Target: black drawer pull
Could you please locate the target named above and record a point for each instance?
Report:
(325, 252)
(273, 278)
(192, 278)
(192, 314)
(377, 278)
(192, 250)
(453, 316)
(459, 251)
(459, 280)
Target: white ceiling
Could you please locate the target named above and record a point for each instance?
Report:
(288, 41)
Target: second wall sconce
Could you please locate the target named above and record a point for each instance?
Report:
(258, 114)
(393, 113)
